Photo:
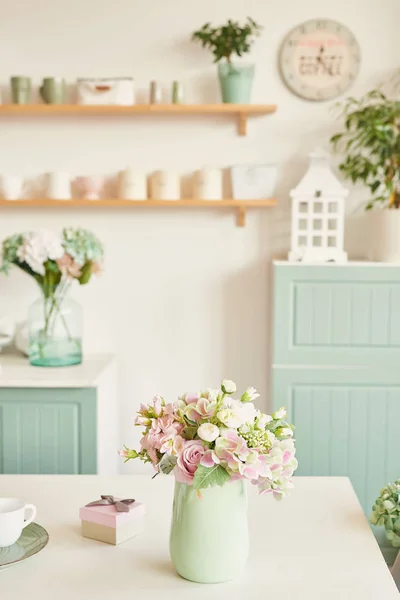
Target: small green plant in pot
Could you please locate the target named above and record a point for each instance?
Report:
(371, 143)
(225, 42)
(386, 513)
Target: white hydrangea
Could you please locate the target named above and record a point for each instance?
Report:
(38, 247)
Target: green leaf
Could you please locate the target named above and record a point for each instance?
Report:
(205, 477)
(167, 463)
(86, 273)
(189, 432)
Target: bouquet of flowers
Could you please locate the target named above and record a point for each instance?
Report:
(210, 438)
(54, 261)
(386, 512)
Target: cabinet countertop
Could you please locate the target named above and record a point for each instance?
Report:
(16, 372)
(315, 544)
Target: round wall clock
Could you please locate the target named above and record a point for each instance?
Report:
(319, 59)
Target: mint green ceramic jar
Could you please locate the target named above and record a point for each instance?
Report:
(209, 540)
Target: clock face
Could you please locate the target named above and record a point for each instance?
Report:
(319, 59)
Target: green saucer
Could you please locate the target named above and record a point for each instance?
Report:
(33, 539)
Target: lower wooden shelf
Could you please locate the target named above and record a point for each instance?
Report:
(241, 206)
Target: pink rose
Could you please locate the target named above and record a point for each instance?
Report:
(189, 460)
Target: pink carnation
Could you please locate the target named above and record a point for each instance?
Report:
(189, 460)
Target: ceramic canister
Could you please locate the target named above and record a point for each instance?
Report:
(58, 185)
(12, 187)
(132, 185)
(165, 185)
(208, 184)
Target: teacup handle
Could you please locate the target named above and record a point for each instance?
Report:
(32, 508)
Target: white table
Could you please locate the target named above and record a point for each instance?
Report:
(316, 545)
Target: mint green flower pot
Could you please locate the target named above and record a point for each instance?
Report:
(236, 83)
(209, 540)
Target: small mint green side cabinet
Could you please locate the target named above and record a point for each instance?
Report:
(336, 366)
(48, 430)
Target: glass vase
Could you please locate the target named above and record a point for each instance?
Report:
(236, 82)
(209, 534)
(55, 330)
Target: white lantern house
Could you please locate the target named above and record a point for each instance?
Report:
(318, 204)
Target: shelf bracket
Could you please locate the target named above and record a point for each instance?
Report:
(241, 216)
(242, 123)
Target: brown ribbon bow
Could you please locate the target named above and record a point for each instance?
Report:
(120, 505)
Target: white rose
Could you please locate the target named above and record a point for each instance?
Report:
(228, 386)
(208, 432)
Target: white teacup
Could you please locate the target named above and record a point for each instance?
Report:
(12, 519)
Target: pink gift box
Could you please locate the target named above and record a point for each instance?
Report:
(106, 524)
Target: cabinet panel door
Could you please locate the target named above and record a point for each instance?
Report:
(336, 315)
(347, 423)
(47, 431)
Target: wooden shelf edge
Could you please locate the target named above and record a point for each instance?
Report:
(219, 108)
(241, 206)
(117, 203)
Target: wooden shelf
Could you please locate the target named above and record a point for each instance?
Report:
(240, 111)
(241, 206)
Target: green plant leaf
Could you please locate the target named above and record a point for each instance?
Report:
(167, 463)
(86, 273)
(205, 477)
(189, 432)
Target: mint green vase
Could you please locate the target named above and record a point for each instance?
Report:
(209, 540)
(236, 82)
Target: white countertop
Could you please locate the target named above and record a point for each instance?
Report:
(316, 545)
(350, 263)
(15, 371)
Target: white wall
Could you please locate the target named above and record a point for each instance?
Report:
(185, 297)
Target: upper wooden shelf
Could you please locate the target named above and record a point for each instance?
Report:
(239, 111)
(241, 206)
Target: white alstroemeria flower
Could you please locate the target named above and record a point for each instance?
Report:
(263, 420)
(248, 412)
(231, 414)
(208, 432)
(228, 386)
(250, 395)
(279, 414)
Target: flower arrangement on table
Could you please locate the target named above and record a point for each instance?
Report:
(210, 438)
(386, 512)
(54, 261)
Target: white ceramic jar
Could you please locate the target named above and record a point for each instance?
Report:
(208, 184)
(132, 185)
(12, 187)
(58, 185)
(165, 185)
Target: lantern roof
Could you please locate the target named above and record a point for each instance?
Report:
(319, 179)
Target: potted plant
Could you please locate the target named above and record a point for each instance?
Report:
(371, 141)
(54, 261)
(386, 513)
(224, 42)
(214, 444)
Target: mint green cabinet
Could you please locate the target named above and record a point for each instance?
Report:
(336, 357)
(48, 430)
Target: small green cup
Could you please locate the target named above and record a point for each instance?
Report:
(53, 90)
(21, 88)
